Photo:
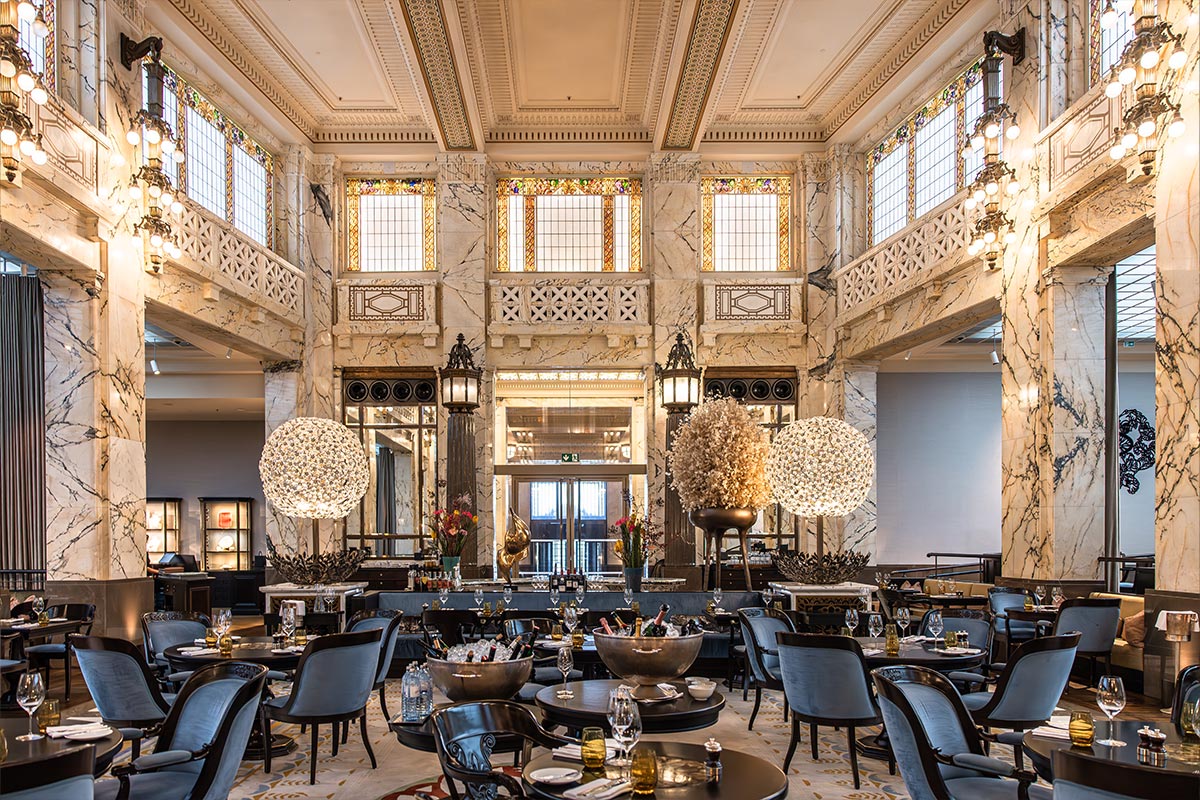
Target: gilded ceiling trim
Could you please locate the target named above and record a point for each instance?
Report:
(706, 44)
(427, 25)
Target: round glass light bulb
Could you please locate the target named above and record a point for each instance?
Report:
(992, 187)
(1177, 127)
(176, 207)
(991, 130)
(966, 152)
(7, 68)
(1013, 187)
(1112, 89)
(26, 81)
(1108, 19)
(979, 194)
(1146, 128)
(1010, 237)
(40, 28)
(39, 157)
(1014, 130)
(989, 237)
(154, 190)
(1129, 140)
(1127, 75)
(27, 147)
(133, 137)
(168, 145)
(156, 240)
(178, 156)
(970, 203)
(166, 198)
(1149, 59)
(26, 10)
(1178, 58)
(39, 96)
(153, 136)
(8, 136)
(1117, 152)
(977, 142)
(135, 192)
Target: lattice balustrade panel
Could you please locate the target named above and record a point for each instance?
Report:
(571, 303)
(511, 298)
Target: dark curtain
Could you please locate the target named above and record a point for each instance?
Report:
(385, 490)
(22, 425)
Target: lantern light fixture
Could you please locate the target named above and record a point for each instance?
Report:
(19, 85)
(460, 379)
(680, 378)
(1141, 72)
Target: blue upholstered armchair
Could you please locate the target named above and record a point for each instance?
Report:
(199, 748)
(65, 776)
(124, 690)
(163, 629)
(334, 680)
(1000, 600)
(825, 680)
(43, 655)
(1095, 619)
(758, 634)
(937, 746)
(387, 621)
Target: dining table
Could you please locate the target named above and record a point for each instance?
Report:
(256, 650)
(1182, 756)
(21, 753)
(681, 775)
(589, 707)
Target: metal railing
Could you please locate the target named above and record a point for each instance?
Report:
(984, 570)
(22, 580)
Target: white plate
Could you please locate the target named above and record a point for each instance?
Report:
(555, 776)
(88, 736)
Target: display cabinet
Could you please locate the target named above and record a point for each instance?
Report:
(162, 526)
(226, 524)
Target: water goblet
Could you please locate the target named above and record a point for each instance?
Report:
(478, 598)
(31, 691)
(1110, 696)
(580, 593)
(903, 619)
(1057, 596)
(287, 622)
(553, 595)
(570, 617)
(628, 595)
(39, 605)
(875, 625)
(508, 591)
(1039, 592)
(933, 624)
(618, 721)
(718, 596)
(852, 620)
(443, 594)
(566, 662)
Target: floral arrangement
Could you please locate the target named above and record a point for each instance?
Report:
(637, 538)
(453, 526)
(719, 458)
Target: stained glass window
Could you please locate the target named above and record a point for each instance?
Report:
(41, 49)
(920, 165)
(224, 170)
(569, 225)
(746, 224)
(390, 224)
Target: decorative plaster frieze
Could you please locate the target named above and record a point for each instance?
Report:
(393, 302)
(427, 25)
(706, 44)
(674, 168)
(749, 302)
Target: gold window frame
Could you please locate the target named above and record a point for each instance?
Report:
(780, 186)
(356, 188)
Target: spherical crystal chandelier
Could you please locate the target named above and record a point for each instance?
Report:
(314, 468)
(820, 467)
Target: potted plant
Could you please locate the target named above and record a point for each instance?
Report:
(637, 539)
(451, 528)
(717, 465)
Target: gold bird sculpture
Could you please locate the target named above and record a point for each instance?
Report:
(514, 548)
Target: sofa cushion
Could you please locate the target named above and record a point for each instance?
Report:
(1133, 629)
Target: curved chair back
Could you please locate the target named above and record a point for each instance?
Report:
(452, 624)
(924, 714)
(466, 734)
(83, 612)
(1084, 777)
(528, 627)
(216, 709)
(1188, 678)
(1002, 598)
(969, 620)
(825, 679)
(121, 685)
(758, 633)
(163, 629)
(386, 620)
(1032, 683)
(1095, 619)
(335, 675)
(64, 776)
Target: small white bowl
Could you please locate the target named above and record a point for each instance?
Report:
(702, 690)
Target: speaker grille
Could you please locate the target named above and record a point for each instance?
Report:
(390, 391)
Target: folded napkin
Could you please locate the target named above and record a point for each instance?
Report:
(89, 720)
(59, 731)
(58, 619)
(914, 639)
(872, 651)
(203, 651)
(572, 752)
(599, 789)
(1051, 733)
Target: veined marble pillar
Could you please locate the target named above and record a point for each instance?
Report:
(464, 187)
(675, 240)
(854, 399)
(1177, 366)
(283, 382)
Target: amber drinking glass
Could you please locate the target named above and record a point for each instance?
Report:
(643, 770)
(48, 714)
(593, 748)
(1082, 729)
(210, 637)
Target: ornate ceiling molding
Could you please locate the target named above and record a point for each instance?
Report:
(435, 55)
(706, 44)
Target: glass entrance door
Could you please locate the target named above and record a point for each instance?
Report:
(569, 521)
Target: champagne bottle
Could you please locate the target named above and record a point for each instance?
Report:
(637, 626)
(657, 626)
(604, 624)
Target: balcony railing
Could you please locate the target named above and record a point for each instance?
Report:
(599, 303)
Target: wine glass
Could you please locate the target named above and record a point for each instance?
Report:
(628, 596)
(852, 620)
(1110, 696)
(478, 595)
(39, 605)
(570, 617)
(31, 691)
(1039, 592)
(618, 721)
(903, 619)
(225, 620)
(933, 624)
(875, 625)
(566, 662)
(626, 723)
(443, 594)
(287, 622)
(580, 593)
(718, 596)
(553, 595)
(507, 594)
(1057, 596)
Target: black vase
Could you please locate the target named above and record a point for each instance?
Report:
(715, 522)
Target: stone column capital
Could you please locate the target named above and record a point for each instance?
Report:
(674, 167)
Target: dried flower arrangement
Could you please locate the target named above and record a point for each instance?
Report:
(718, 459)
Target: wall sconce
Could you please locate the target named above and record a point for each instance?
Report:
(995, 180)
(680, 378)
(150, 185)
(18, 83)
(1143, 68)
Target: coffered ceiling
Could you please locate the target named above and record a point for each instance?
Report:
(672, 74)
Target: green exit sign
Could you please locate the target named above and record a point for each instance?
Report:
(570, 458)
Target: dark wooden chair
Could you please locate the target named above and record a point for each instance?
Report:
(387, 620)
(1096, 620)
(122, 686)
(466, 735)
(453, 625)
(762, 654)
(43, 655)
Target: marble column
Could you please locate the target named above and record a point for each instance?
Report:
(851, 387)
(283, 382)
(463, 190)
(674, 264)
(1177, 351)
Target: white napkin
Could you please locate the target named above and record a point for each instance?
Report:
(871, 651)
(58, 731)
(90, 720)
(588, 790)
(203, 651)
(1051, 733)
(914, 639)
(1161, 622)
(572, 752)
(58, 619)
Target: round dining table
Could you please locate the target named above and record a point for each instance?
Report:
(256, 650)
(20, 753)
(589, 708)
(743, 776)
(1180, 757)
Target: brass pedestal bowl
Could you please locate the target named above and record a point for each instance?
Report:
(648, 660)
(490, 680)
